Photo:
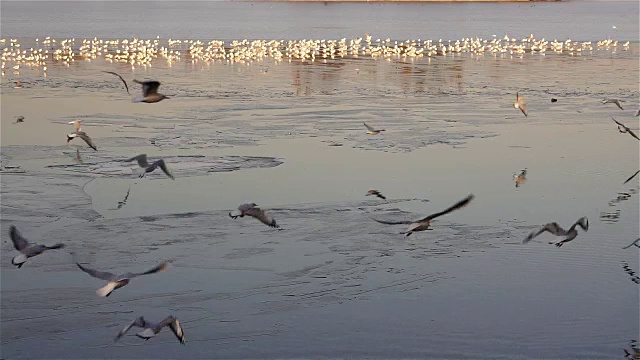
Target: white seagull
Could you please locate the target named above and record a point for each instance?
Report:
(520, 104)
(372, 131)
(118, 281)
(253, 210)
(27, 250)
(613, 101)
(556, 230)
(150, 329)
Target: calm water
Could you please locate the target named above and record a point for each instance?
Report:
(579, 20)
(289, 136)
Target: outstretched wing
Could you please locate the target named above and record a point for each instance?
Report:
(156, 269)
(175, 327)
(124, 82)
(455, 206)
(262, 216)
(97, 274)
(19, 242)
(164, 168)
(619, 124)
(631, 177)
(83, 135)
(635, 243)
(139, 322)
(369, 127)
(523, 108)
(632, 134)
(149, 87)
(553, 228)
(54, 247)
(406, 222)
(141, 159)
(617, 102)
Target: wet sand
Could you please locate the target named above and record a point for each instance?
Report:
(333, 283)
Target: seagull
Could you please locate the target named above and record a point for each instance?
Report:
(423, 224)
(143, 163)
(372, 131)
(631, 177)
(520, 178)
(376, 193)
(27, 250)
(82, 135)
(520, 104)
(623, 129)
(17, 84)
(118, 281)
(19, 119)
(124, 82)
(253, 210)
(149, 92)
(554, 100)
(635, 243)
(613, 101)
(556, 230)
(151, 330)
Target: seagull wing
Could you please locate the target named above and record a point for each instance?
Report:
(139, 322)
(405, 222)
(455, 206)
(141, 159)
(149, 87)
(175, 327)
(553, 228)
(158, 268)
(369, 127)
(97, 274)
(617, 102)
(54, 247)
(523, 108)
(83, 135)
(619, 124)
(631, 178)
(164, 168)
(19, 242)
(262, 216)
(124, 82)
(632, 134)
(635, 243)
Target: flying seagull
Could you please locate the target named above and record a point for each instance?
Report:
(19, 119)
(520, 104)
(124, 82)
(254, 211)
(149, 92)
(118, 281)
(520, 178)
(17, 84)
(423, 224)
(635, 243)
(556, 230)
(372, 131)
(376, 193)
(151, 329)
(82, 135)
(613, 101)
(631, 177)
(143, 163)
(27, 250)
(623, 129)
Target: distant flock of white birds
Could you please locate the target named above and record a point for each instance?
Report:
(139, 52)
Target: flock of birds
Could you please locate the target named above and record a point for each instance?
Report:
(139, 52)
(293, 49)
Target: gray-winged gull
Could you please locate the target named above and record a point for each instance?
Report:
(372, 131)
(150, 329)
(118, 281)
(144, 163)
(613, 101)
(556, 230)
(27, 250)
(624, 129)
(376, 193)
(149, 92)
(423, 224)
(253, 210)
